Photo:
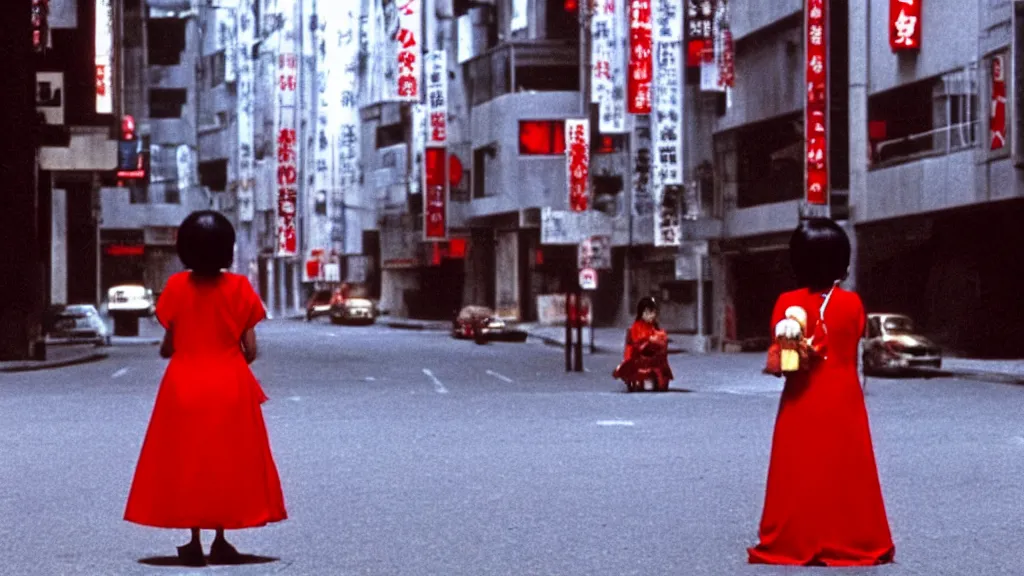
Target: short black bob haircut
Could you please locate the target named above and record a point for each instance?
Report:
(646, 303)
(206, 242)
(819, 252)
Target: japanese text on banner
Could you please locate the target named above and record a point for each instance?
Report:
(437, 98)
(347, 239)
(816, 119)
(577, 152)
(409, 40)
(905, 25)
(638, 93)
(607, 74)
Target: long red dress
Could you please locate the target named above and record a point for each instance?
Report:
(824, 504)
(645, 355)
(206, 459)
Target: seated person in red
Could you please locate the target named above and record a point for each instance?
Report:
(646, 354)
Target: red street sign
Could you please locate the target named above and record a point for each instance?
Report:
(588, 279)
(905, 25)
(816, 102)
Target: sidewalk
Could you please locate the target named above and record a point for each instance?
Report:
(57, 357)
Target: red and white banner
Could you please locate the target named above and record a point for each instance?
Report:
(816, 103)
(577, 154)
(104, 44)
(409, 39)
(997, 117)
(700, 15)
(287, 137)
(638, 92)
(435, 200)
(437, 98)
(905, 25)
(726, 59)
(606, 74)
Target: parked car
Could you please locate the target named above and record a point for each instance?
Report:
(354, 310)
(892, 345)
(482, 324)
(77, 323)
(131, 298)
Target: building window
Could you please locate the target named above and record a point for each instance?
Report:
(214, 175)
(563, 21)
(933, 116)
(769, 160)
(390, 135)
(541, 137)
(166, 41)
(215, 66)
(166, 102)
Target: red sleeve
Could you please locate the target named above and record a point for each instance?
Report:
(252, 307)
(167, 304)
(858, 309)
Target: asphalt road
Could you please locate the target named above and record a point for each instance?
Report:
(408, 453)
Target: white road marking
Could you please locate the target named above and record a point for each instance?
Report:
(296, 398)
(615, 423)
(331, 334)
(370, 379)
(438, 386)
(501, 377)
(119, 373)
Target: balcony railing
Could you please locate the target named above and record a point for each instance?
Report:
(934, 142)
(494, 73)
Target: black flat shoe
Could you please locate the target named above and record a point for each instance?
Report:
(191, 555)
(221, 552)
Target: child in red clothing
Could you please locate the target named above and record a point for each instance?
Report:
(646, 354)
(206, 460)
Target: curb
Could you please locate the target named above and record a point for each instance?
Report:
(34, 366)
(994, 377)
(137, 342)
(437, 327)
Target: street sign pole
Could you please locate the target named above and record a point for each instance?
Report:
(568, 330)
(579, 330)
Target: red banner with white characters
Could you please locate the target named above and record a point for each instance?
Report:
(997, 116)
(905, 25)
(435, 198)
(638, 86)
(816, 104)
(287, 143)
(409, 39)
(577, 154)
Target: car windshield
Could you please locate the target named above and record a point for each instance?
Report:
(899, 325)
(76, 312)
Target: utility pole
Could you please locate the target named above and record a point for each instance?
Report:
(22, 290)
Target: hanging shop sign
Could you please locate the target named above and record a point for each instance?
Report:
(699, 18)
(997, 118)
(435, 204)
(409, 48)
(905, 25)
(643, 201)
(286, 131)
(246, 173)
(606, 74)
(667, 117)
(437, 97)
(577, 154)
(638, 93)
(104, 44)
(816, 103)
(346, 231)
(595, 252)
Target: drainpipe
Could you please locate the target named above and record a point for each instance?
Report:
(860, 74)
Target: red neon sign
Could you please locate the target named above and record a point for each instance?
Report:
(816, 103)
(641, 64)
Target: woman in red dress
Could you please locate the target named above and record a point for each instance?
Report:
(646, 354)
(206, 461)
(823, 504)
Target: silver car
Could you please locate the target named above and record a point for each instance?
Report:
(893, 345)
(79, 323)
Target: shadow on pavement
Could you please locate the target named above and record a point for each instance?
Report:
(176, 561)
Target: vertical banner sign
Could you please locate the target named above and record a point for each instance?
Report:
(409, 48)
(699, 18)
(346, 234)
(287, 140)
(324, 24)
(726, 59)
(638, 90)
(997, 117)
(643, 202)
(606, 86)
(710, 79)
(437, 98)
(104, 43)
(816, 119)
(666, 120)
(520, 15)
(435, 205)
(905, 25)
(246, 172)
(577, 154)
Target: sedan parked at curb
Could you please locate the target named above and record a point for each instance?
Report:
(80, 323)
(892, 345)
(354, 310)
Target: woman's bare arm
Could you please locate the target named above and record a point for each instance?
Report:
(167, 346)
(249, 345)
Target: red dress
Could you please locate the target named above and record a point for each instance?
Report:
(206, 459)
(824, 504)
(645, 355)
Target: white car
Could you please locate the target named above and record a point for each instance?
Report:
(131, 298)
(79, 323)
